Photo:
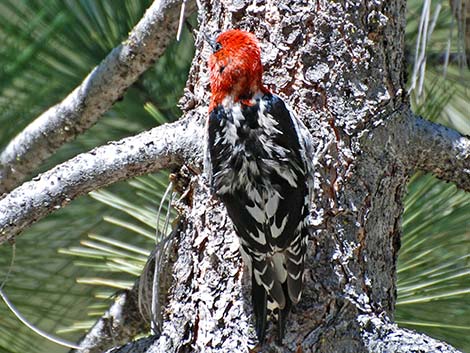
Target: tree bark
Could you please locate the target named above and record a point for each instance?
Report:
(341, 67)
(436, 149)
(121, 322)
(164, 147)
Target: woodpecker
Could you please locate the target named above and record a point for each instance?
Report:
(257, 158)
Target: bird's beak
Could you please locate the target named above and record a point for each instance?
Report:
(211, 40)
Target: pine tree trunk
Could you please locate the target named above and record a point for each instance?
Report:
(341, 67)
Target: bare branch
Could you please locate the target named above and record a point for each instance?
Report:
(166, 146)
(140, 346)
(437, 149)
(381, 336)
(98, 92)
(121, 322)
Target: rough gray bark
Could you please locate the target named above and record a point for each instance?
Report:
(340, 65)
(140, 346)
(383, 336)
(164, 147)
(98, 92)
(121, 322)
(436, 149)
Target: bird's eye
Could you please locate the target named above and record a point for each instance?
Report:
(217, 47)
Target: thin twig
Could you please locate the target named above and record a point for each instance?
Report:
(160, 240)
(181, 21)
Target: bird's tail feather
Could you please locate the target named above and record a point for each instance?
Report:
(282, 316)
(259, 298)
(267, 281)
(295, 269)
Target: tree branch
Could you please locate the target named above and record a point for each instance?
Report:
(140, 346)
(121, 322)
(437, 149)
(381, 336)
(98, 92)
(166, 146)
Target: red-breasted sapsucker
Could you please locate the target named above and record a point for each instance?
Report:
(257, 158)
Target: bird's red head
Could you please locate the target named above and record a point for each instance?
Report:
(235, 67)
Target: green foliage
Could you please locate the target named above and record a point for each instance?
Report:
(434, 271)
(69, 265)
(437, 61)
(433, 264)
(115, 261)
(48, 47)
